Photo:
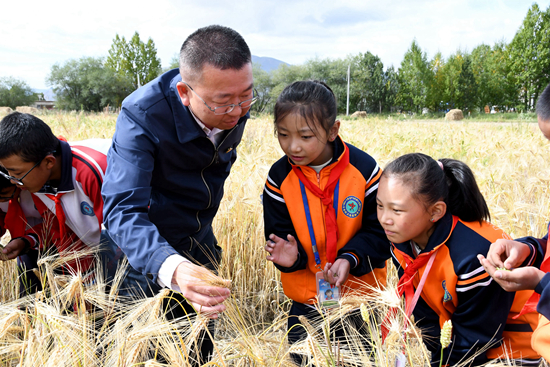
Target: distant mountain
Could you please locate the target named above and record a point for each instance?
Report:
(49, 95)
(267, 63)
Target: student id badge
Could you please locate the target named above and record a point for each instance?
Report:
(327, 294)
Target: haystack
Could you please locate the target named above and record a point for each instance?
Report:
(5, 110)
(26, 109)
(454, 115)
(359, 114)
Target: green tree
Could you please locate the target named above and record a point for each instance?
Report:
(15, 92)
(391, 86)
(436, 88)
(467, 87)
(414, 79)
(134, 59)
(86, 84)
(368, 83)
(530, 55)
(451, 79)
(263, 85)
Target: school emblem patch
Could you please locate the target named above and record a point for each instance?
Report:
(447, 296)
(352, 206)
(86, 209)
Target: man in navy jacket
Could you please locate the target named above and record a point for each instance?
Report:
(173, 148)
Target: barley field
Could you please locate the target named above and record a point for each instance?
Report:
(509, 160)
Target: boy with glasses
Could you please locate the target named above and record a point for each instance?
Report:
(19, 216)
(173, 148)
(65, 181)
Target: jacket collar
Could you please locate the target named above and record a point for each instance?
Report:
(442, 232)
(186, 127)
(66, 182)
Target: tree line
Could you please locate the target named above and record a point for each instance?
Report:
(507, 75)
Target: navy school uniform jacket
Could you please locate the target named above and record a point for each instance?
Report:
(292, 209)
(541, 337)
(459, 289)
(165, 178)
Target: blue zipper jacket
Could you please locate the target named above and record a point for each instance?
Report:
(164, 179)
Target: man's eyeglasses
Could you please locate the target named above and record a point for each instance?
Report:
(222, 110)
(19, 181)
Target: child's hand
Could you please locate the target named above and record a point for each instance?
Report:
(13, 249)
(507, 254)
(281, 252)
(513, 280)
(337, 273)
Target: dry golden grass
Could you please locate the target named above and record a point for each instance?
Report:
(507, 158)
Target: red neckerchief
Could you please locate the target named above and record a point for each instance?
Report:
(406, 286)
(60, 214)
(15, 221)
(326, 197)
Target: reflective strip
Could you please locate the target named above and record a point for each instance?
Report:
(470, 274)
(274, 196)
(484, 284)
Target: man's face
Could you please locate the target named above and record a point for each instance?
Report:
(218, 88)
(544, 126)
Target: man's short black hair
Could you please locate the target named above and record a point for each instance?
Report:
(219, 46)
(543, 105)
(26, 136)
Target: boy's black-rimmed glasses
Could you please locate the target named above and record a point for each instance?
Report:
(19, 181)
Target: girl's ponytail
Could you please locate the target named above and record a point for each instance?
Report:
(464, 200)
(454, 183)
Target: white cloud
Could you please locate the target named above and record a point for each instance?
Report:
(41, 33)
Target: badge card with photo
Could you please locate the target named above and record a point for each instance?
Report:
(328, 295)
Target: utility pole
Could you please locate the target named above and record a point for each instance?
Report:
(347, 103)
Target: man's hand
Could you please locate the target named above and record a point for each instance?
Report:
(13, 249)
(513, 280)
(281, 252)
(192, 281)
(508, 254)
(337, 273)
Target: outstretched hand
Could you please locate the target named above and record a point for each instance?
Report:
(508, 254)
(337, 273)
(13, 249)
(281, 252)
(513, 280)
(206, 299)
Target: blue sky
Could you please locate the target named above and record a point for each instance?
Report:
(39, 34)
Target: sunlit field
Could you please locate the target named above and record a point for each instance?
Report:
(509, 159)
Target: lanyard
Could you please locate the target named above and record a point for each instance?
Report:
(310, 221)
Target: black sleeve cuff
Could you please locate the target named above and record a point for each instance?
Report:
(543, 283)
(350, 258)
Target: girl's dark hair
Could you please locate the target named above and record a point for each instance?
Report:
(455, 184)
(543, 105)
(27, 136)
(312, 99)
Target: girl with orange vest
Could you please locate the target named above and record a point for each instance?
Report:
(319, 204)
(436, 219)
